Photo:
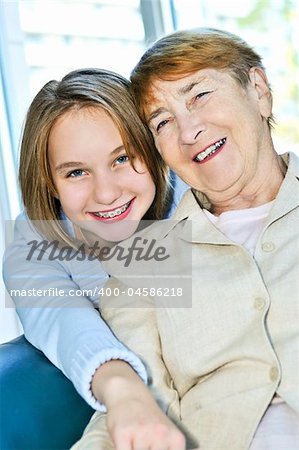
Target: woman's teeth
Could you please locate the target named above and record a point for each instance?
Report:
(210, 150)
(116, 212)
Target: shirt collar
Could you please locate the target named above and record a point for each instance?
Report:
(190, 207)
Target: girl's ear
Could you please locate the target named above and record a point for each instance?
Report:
(259, 82)
(52, 191)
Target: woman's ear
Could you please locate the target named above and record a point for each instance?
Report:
(259, 82)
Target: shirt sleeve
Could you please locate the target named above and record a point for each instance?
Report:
(179, 187)
(125, 313)
(54, 300)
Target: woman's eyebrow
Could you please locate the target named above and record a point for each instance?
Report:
(189, 86)
(181, 91)
(185, 89)
(155, 114)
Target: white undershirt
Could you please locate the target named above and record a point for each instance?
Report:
(242, 226)
(279, 427)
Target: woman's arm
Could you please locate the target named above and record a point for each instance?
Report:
(66, 327)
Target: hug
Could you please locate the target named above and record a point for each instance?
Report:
(98, 158)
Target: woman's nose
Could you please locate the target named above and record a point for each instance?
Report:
(190, 127)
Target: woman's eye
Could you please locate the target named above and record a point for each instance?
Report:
(161, 124)
(201, 94)
(76, 173)
(121, 159)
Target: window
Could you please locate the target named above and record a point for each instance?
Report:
(44, 39)
(271, 28)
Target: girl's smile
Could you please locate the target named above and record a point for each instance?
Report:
(114, 215)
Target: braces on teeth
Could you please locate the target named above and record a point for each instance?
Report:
(111, 214)
(210, 150)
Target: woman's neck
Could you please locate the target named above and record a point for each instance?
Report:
(263, 189)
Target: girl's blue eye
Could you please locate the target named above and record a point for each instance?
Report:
(161, 124)
(122, 159)
(75, 173)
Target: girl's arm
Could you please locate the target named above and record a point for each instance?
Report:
(56, 317)
(134, 419)
(136, 414)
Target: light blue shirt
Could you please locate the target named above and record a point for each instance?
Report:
(56, 300)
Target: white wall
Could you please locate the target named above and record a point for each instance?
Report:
(10, 326)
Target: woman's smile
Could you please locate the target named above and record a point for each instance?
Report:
(209, 152)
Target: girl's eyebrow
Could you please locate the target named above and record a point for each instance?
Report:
(68, 165)
(71, 164)
(118, 149)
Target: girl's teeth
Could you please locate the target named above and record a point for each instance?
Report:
(114, 213)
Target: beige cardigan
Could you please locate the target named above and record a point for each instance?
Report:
(215, 366)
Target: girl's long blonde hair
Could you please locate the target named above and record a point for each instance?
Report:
(83, 88)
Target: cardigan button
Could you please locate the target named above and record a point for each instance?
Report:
(274, 373)
(268, 246)
(259, 303)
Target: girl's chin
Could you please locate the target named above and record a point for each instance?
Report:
(113, 232)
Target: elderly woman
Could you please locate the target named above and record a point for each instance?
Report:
(226, 368)
(207, 101)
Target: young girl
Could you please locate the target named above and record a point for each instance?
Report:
(87, 161)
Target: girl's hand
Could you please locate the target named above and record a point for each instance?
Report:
(137, 423)
(134, 419)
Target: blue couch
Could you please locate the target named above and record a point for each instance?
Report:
(39, 407)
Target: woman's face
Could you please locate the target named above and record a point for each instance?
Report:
(210, 130)
(97, 187)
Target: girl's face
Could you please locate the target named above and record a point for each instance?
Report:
(97, 187)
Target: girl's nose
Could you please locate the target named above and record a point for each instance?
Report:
(106, 189)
